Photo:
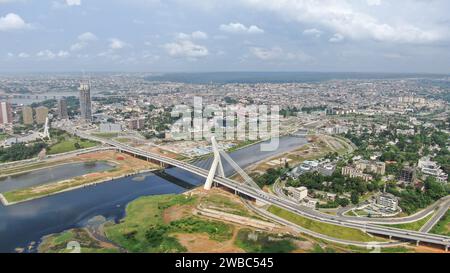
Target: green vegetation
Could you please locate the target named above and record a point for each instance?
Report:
(270, 177)
(412, 199)
(67, 143)
(408, 149)
(58, 243)
(3, 136)
(396, 250)
(229, 100)
(106, 135)
(443, 226)
(109, 100)
(339, 184)
(242, 144)
(414, 225)
(143, 229)
(216, 230)
(261, 242)
(123, 140)
(21, 151)
(318, 249)
(227, 205)
(293, 111)
(139, 230)
(322, 228)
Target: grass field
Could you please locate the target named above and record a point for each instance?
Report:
(58, 243)
(106, 135)
(443, 226)
(69, 145)
(3, 137)
(323, 228)
(261, 242)
(414, 225)
(144, 230)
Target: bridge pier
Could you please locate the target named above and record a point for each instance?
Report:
(215, 167)
(446, 248)
(390, 237)
(418, 243)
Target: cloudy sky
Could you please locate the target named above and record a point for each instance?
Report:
(218, 35)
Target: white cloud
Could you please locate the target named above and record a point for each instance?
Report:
(345, 18)
(240, 28)
(199, 35)
(117, 44)
(187, 49)
(23, 55)
(73, 2)
(12, 21)
(87, 37)
(49, 55)
(83, 41)
(337, 38)
(266, 54)
(278, 54)
(312, 32)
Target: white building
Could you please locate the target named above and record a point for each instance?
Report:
(298, 193)
(432, 168)
(388, 201)
(110, 128)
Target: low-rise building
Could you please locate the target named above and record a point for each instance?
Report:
(389, 201)
(298, 193)
(371, 167)
(431, 168)
(110, 128)
(136, 124)
(355, 173)
(407, 175)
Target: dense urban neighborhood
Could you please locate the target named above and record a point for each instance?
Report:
(366, 150)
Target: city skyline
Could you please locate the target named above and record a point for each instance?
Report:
(174, 36)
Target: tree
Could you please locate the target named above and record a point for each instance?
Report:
(355, 198)
(343, 202)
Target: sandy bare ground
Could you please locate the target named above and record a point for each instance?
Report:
(200, 243)
(176, 212)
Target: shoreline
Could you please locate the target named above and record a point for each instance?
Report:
(6, 203)
(54, 166)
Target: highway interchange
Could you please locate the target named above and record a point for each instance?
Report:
(258, 194)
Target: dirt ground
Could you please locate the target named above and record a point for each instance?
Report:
(200, 243)
(176, 212)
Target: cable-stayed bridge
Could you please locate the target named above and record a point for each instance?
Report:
(217, 175)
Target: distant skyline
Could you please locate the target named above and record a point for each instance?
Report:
(397, 36)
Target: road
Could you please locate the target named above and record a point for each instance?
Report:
(299, 229)
(435, 219)
(443, 203)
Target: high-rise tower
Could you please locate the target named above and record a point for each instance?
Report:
(6, 115)
(62, 109)
(85, 102)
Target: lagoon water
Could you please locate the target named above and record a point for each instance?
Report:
(26, 222)
(52, 174)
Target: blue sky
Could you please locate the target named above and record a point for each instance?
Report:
(217, 35)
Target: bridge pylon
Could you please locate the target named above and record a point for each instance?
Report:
(216, 167)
